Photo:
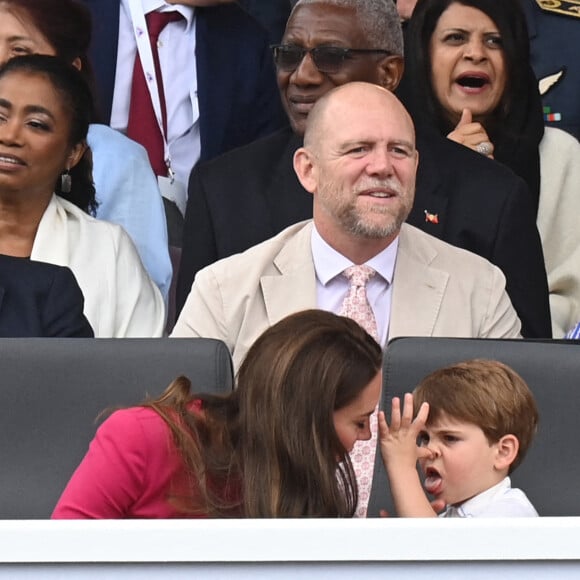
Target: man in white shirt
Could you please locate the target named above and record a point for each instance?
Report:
(357, 257)
(217, 77)
(359, 162)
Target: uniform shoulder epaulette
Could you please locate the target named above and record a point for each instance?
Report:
(551, 80)
(564, 7)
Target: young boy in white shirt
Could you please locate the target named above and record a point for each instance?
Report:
(474, 424)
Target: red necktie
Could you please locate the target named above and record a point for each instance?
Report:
(142, 125)
(357, 307)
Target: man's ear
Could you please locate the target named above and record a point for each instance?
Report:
(76, 154)
(305, 169)
(390, 72)
(507, 450)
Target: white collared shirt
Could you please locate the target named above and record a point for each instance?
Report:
(498, 501)
(177, 59)
(332, 287)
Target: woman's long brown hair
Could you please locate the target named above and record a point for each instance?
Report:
(270, 449)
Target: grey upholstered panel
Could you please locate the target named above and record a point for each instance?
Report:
(551, 471)
(51, 391)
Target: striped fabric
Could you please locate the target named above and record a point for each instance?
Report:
(575, 332)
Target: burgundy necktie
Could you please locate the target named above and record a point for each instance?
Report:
(357, 307)
(142, 125)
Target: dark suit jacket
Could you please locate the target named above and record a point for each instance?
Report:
(250, 194)
(271, 14)
(38, 299)
(238, 96)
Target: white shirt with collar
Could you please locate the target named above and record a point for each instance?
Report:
(498, 501)
(332, 287)
(177, 59)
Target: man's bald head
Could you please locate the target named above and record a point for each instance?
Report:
(351, 96)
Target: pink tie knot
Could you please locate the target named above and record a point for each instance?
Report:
(359, 275)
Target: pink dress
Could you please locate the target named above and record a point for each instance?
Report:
(130, 471)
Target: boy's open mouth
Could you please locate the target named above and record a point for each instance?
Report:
(433, 481)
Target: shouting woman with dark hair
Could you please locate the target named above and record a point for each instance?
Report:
(468, 74)
(46, 192)
(277, 446)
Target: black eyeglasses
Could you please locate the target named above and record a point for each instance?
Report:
(328, 59)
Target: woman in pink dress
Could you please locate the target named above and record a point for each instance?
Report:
(277, 446)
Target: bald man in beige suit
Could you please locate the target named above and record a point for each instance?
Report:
(359, 162)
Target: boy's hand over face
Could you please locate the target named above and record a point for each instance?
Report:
(400, 453)
(399, 439)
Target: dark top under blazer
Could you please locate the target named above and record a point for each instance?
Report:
(250, 194)
(237, 91)
(38, 299)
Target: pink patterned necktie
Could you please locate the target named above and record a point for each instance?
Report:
(356, 306)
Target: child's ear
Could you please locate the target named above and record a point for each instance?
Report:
(507, 450)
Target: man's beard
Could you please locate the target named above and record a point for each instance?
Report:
(355, 220)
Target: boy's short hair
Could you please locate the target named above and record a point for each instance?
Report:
(486, 393)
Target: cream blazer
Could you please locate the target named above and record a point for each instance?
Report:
(120, 298)
(559, 225)
(438, 290)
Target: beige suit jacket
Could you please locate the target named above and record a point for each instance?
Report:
(438, 290)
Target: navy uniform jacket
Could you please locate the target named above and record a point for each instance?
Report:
(237, 91)
(554, 46)
(39, 300)
(250, 194)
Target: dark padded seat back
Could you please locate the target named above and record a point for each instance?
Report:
(51, 391)
(551, 471)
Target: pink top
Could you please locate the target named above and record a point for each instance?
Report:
(129, 471)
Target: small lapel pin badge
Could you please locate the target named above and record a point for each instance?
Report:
(431, 218)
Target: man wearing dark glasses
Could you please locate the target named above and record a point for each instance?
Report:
(252, 193)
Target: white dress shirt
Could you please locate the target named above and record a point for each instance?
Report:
(498, 501)
(177, 60)
(332, 287)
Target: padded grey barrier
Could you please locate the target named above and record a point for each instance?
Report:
(52, 389)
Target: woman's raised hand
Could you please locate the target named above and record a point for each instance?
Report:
(472, 134)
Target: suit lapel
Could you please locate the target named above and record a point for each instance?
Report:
(417, 294)
(51, 243)
(418, 288)
(294, 288)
